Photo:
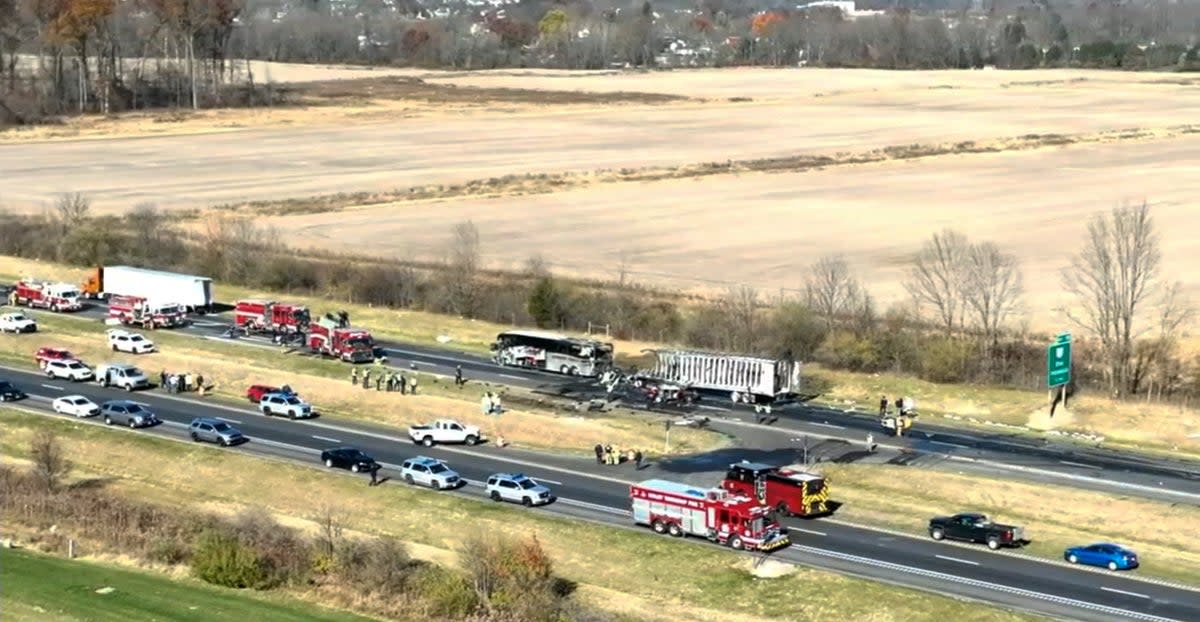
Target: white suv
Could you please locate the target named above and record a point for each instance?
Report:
(285, 405)
(125, 341)
(517, 488)
(429, 472)
(69, 369)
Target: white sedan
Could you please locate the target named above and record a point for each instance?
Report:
(76, 405)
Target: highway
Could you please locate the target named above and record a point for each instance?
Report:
(599, 493)
(1000, 453)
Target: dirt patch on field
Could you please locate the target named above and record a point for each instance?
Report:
(335, 92)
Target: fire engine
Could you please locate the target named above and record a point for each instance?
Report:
(331, 337)
(268, 316)
(738, 522)
(789, 490)
(137, 311)
(47, 295)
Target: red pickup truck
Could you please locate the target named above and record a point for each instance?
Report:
(256, 392)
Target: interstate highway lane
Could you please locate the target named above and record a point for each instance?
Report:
(583, 484)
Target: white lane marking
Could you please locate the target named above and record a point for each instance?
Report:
(812, 531)
(1083, 478)
(511, 377)
(999, 587)
(828, 425)
(1083, 466)
(326, 438)
(53, 388)
(228, 420)
(1116, 591)
(955, 559)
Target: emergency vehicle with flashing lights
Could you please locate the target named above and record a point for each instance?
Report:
(268, 316)
(138, 311)
(790, 490)
(736, 521)
(46, 295)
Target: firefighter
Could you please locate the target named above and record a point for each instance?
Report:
(485, 403)
(354, 376)
(366, 379)
(496, 408)
(414, 385)
(403, 384)
(379, 382)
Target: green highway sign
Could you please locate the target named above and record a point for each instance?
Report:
(1058, 361)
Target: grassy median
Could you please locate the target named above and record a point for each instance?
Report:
(1054, 517)
(43, 588)
(530, 420)
(645, 576)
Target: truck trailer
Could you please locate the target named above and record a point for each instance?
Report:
(745, 379)
(194, 293)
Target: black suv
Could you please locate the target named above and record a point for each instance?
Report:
(10, 393)
(348, 458)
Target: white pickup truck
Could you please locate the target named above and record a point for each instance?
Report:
(17, 323)
(444, 431)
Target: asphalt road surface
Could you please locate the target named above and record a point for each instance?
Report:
(600, 493)
(836, 435)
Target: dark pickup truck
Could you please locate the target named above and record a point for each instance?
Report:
(976, 528)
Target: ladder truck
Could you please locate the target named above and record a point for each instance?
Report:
(676, 509)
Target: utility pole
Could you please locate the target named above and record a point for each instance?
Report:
(804, 441)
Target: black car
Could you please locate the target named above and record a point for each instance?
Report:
(348, 458)
(9, 393)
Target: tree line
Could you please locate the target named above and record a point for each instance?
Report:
(964, 322)
(503, 578)
(64, 56)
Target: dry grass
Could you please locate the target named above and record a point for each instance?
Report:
(231, 368)
(662, 576)
(1123, 423)
(905, 498)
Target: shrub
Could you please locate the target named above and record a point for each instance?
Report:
(447, 593)
(946, 360)
(847, 350)
(381, 565)
(220, 558)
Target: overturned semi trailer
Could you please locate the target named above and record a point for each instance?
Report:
(746, 379)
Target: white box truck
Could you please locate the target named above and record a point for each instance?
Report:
(192, 292)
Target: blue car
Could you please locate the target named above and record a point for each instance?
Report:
(1111, 556)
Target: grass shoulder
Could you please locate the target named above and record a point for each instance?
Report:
(653, 578)
(54, 589)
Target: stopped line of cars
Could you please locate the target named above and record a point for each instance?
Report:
(420, 470)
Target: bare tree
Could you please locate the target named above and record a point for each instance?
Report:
(992, 287)
(463, 287)
(1113, 277)
(832, 289)
(71, 210)
(330, 524)
(936, 278)
(740, 310)
(50, 464)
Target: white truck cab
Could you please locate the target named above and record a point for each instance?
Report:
(444, 431)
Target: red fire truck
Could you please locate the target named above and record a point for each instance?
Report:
(268, 316)
(46, 295)
(677, 509)
(788, 490)
(331, 337)
(137, 311)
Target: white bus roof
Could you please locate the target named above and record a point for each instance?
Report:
(541, 334)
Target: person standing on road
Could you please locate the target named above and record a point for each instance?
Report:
(637, 460)
(870, 442)
(374, 475)
(883, 404)
(458, 377)
(599, 449)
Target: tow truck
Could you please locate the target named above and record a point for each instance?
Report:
(790, 490)
(676, 509)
